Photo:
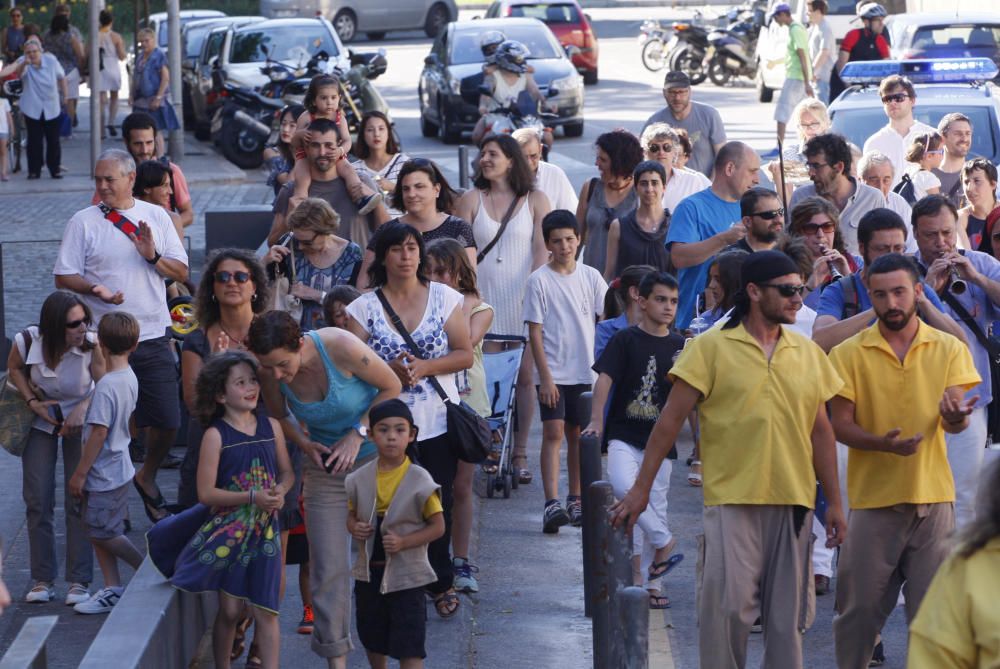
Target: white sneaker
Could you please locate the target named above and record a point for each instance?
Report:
(101, 601)
(77, 593)
(41, 593)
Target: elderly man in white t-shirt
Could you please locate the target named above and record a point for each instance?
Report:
(116, 255)
(898, 98)
(876, 170)
(549, 178)
(661, 143)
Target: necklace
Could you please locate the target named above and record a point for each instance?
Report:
(238, 341)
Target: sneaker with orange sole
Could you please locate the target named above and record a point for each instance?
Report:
(306, 624)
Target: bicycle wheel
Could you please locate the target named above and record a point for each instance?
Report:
(653, 56)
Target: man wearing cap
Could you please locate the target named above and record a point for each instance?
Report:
(761, 391)
(899, 483)
(798, 69)
(702, 122)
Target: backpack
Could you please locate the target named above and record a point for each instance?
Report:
(851, 306)
(906, 189)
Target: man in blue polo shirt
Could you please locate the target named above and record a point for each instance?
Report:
(705, 223)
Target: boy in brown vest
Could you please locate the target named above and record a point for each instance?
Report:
(394, 513)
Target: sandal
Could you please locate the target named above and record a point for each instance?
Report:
(239, 641)
(694, 476)
(661, 569)
(446, 603)
(253, 658)
(491, 465)
(658, 602)
(151, 505)
(523, 475)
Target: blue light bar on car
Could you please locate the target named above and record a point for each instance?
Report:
(937, 71)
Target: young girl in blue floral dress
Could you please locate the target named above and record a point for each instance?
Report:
(230, 541)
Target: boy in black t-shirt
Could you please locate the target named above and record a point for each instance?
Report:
(636, 361)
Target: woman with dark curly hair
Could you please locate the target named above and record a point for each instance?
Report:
(233, 290)
(380, 154)
(608, 196)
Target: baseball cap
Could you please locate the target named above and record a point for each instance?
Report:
(676, 79)
(781, 7)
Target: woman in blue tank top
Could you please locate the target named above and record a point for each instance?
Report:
(325, 381)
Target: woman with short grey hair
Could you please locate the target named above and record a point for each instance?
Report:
(661, 143)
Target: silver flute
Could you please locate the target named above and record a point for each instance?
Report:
(958, 284)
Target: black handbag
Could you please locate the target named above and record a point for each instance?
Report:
(470, 435)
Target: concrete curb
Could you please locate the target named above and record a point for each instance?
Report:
(624, 4)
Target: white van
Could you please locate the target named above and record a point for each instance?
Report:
(374, 17)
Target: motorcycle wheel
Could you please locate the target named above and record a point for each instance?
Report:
(718, 72)
(240, 147)
(692, 66)
(653, 56)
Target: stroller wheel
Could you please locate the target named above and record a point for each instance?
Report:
(506, 486)
(491, 482)
(511, 475)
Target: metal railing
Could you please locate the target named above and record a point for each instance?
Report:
(29, 648)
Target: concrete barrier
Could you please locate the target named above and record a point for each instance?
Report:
(242, 227)
(28, 649)
(153, 626)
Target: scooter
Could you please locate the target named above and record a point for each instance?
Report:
(688, 54)
(731, 52)
(523, 113)
(243, 125)
(655, 44)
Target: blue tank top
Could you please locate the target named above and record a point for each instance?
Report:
(347, 400)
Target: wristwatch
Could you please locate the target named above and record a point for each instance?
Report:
(360, 429)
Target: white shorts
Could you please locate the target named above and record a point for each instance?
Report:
(73, 85)
(792, 93)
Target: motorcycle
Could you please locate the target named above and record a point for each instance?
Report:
(654, 45)
(243, 125)
(688, 54)
(731, 52)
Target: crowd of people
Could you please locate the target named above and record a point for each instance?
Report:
(829, 345)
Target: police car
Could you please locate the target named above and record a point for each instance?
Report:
(942, 86)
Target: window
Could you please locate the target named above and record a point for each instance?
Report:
(944, 41)
(293, 43)
(214, 46)
(465, 47)
(551, 14)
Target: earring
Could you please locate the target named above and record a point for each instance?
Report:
(253, 298)
(213, 298)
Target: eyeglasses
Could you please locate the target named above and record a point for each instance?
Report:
(814, 167)
(895, 97)
(656, 148)
(813, 228)
(770, 215)
(72, 325)
(226, 277)
(786, 289)
(810, 126)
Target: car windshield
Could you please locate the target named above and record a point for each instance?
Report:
(292, 43)
(194, 38)
(857, 125)
(465, 46)
(955, 40)
(547, 13)
(841, 7)
(164, 31)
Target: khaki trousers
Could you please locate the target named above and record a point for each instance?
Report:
(886, 549)
(754, 558)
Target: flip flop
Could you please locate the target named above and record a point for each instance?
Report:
(151, 504)
(239, 640)
(659, 602)
(660, 569)
(694, 477)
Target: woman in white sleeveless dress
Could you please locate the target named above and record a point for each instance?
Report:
(504, 182)
(112, 52)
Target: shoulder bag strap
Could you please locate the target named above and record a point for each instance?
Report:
(397, 322)
(503, 226)
(127, 227)
(26, 338)
(970, 322)
(590, 191)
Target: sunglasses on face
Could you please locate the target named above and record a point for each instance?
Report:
(72, 325)
(813, 228)
(226, 277)
(786, 289)
(665, 148)
(770, 215)
(895, 97)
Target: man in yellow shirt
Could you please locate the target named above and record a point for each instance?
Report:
(904, 384)
(761, 391)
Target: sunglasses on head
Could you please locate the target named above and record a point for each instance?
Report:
(813, 228)
(895, 97)
(770, 215)
(656, 148)
(786, 289)
(225, 277)
(72, 325)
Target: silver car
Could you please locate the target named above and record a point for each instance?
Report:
(374, 17)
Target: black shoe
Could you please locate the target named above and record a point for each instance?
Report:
(878, 656)
(34, 176)
(555, 516)
(76, 121)
(575, 511)
(112, 131)
(57, 176)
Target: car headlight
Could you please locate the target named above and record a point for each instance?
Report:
(455, 85)
(567, 86)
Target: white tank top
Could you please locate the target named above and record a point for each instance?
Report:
(506, 93)
(503, 274)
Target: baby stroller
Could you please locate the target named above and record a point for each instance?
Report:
(501, 362)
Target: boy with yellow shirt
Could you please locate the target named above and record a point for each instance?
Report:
(394, 513)
(904, 384)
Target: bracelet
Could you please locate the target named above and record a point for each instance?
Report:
(33, 399)
(155, 259)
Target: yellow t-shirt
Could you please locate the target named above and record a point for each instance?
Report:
(386, 484)
(888, 394)
(756, 416)
(958, 624)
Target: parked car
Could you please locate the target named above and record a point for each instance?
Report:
(193, 36)
(943, 35)
(567, 22)
(453, 71)
(374, 17)
(158, 22)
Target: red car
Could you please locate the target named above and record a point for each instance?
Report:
(566, 21)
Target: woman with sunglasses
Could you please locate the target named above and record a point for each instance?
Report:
(322, 259)
(979, 180)
(54, 366)
(422, 192)
(817, 222)
(661, 143)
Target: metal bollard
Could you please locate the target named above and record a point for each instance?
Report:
(633, 627)
(599, 497)
(618, 555)
(590, 471)
(463, 167)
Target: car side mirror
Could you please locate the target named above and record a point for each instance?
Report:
(587, 16)
(432, 60)
(571, 50)
(213, 62)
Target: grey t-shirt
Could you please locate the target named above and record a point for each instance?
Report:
(951, 187)
(113, 402)
(821, 39)
(705, 129)
(353, 227)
